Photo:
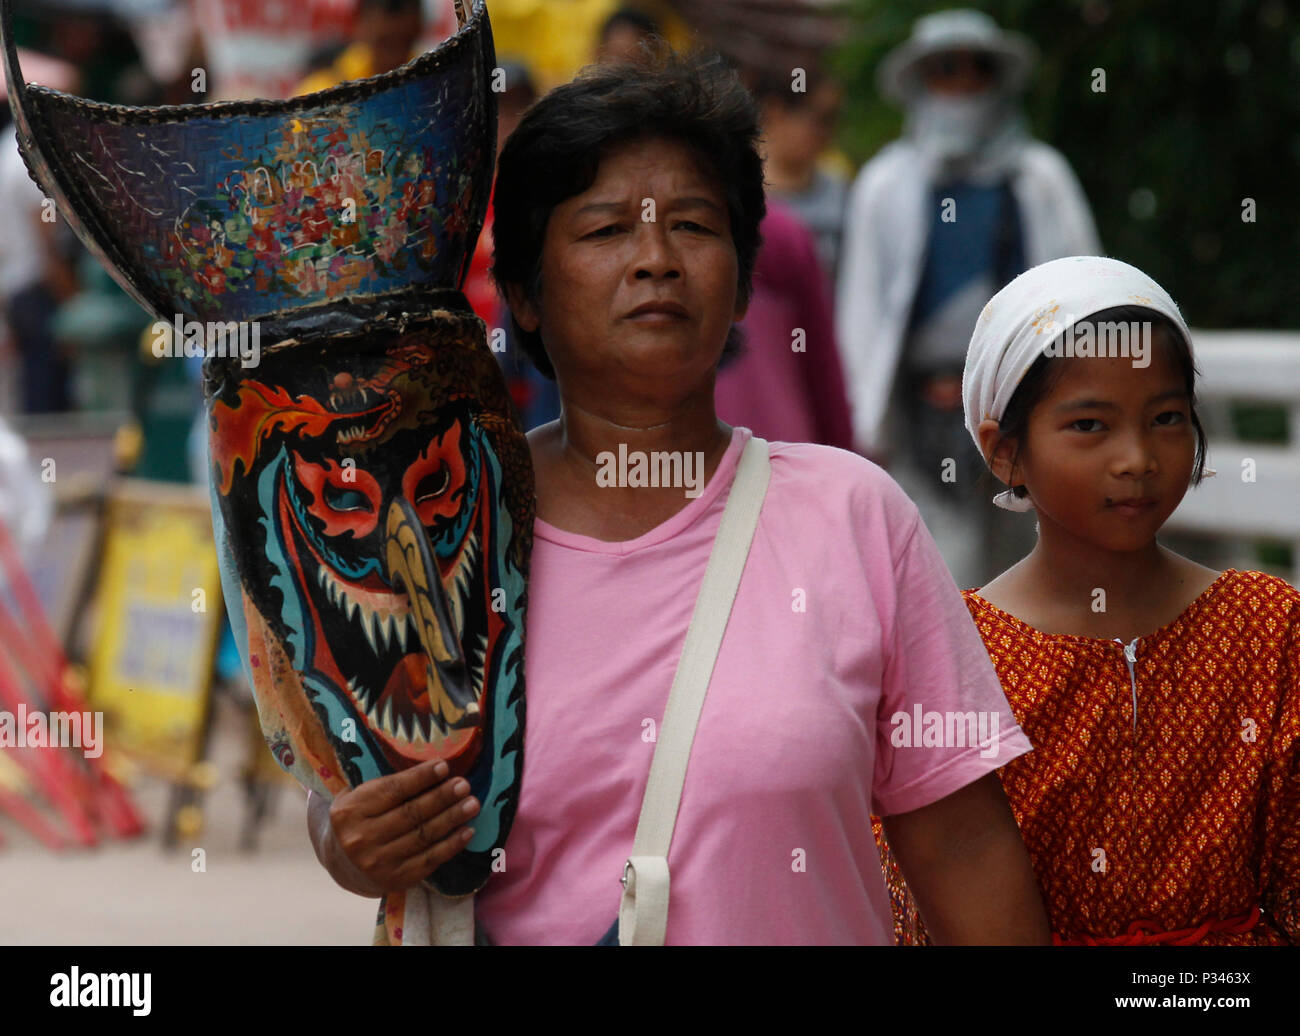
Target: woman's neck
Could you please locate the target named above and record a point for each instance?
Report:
(579, 465)
(585, 432)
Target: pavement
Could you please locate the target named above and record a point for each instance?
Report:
(138, 893)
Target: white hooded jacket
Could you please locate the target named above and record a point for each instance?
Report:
(885, 236)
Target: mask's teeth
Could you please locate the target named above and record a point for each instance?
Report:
(369, 627)
(400, 625)
(386, 721)
(479, 663)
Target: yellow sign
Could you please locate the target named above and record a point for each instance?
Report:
(158, 602)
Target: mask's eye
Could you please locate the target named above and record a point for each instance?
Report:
(433, 485)
(346, 499)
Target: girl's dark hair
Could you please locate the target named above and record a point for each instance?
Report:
(556, 150)
(1046, 371)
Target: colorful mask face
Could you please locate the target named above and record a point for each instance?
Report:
(374, 501)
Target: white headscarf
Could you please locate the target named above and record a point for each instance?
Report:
(1031, 313)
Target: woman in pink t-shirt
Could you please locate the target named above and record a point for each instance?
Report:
(850, 679)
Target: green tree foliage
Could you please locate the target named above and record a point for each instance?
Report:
(1201, 111)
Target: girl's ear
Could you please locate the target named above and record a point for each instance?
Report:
(998, 450)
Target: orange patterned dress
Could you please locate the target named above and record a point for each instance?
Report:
(1161, 803)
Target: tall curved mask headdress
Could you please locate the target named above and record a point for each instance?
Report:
(372, 489)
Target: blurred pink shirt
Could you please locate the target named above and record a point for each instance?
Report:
(845, 615)
(781, 394)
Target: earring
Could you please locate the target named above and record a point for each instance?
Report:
(1008, 501)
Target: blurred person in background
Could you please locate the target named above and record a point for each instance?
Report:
(94, 56)
(388, 36)
(624, 35)
(937, 223)
(786, 383)
(797, 130)
(36, 276)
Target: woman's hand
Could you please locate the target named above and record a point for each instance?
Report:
(387, 834)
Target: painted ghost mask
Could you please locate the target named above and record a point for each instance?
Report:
(372, 490)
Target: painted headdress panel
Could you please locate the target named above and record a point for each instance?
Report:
(295, 213)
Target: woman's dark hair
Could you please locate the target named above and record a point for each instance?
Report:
(1046, 371)
(556, 150)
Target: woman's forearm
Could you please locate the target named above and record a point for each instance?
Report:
(330, 853)
(968, 868)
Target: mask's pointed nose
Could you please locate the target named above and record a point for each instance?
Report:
(411, 569)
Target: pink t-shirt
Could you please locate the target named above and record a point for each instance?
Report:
(845, 616)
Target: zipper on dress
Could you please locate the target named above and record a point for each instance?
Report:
(1130, 656)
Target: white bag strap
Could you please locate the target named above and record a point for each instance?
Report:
(643, 912)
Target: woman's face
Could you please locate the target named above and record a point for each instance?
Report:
(651, 229)
(1109, 450)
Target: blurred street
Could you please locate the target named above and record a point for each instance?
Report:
(137, 893)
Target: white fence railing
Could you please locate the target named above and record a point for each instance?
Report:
(1256, 493)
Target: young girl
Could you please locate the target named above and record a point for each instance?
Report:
(1161, 803)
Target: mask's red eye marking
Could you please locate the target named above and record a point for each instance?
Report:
(345, 499)
(433, 481)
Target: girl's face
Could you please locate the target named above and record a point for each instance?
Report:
(651, 230)
(1109, 451)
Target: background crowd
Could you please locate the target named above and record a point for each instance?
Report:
(917, 159)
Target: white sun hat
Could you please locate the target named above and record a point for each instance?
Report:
(898, 76)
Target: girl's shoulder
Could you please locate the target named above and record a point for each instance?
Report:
(1250, 593)
(1236, 598)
